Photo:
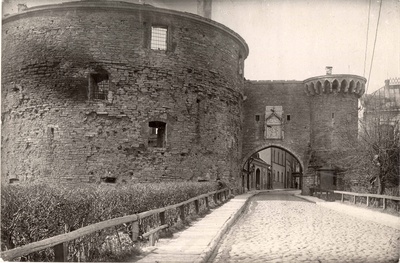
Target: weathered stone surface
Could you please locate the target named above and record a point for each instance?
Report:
(51, 130)
(312, 125)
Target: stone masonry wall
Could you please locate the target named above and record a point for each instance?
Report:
(52, 130)
(335, 123)
(291, 96)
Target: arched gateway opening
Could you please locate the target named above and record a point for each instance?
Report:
(273, 167)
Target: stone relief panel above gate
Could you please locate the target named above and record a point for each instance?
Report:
(273, 122)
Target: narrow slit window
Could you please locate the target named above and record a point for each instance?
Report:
(288, 117)
(240, 65)
(159, 38)
(157, 134)
(257, 117)
(50, 133)
(333, 115)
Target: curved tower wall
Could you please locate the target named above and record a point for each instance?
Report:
(333, 118)
(56, 127)
(333, 109)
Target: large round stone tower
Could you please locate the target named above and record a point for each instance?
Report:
(333, 121)
(122, 91)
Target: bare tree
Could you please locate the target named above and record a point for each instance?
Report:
(370, 162)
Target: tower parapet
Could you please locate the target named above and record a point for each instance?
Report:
(345, 84)
(333, 122)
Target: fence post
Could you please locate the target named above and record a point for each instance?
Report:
(207, 203)
(196, 205)
(162, 218)
(384, 203)
(215, 198)
(367, 200)
(152, 240)
(354, 201)
(60, 252)
(135, 230)
(342, 198)
(182, 215)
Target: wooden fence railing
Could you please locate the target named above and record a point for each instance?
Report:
(59, 243)
(330, 196)
(369, 197)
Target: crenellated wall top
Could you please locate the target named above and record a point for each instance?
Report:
(337, 83)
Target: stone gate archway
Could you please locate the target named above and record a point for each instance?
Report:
(283, 168)
(276, 145)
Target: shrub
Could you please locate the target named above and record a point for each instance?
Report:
(33, 212)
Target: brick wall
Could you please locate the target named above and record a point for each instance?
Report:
(52, 130)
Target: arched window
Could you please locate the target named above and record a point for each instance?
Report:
(319, 87)
(335, 85)
(351, 86)
(343, 85)
(327, 86)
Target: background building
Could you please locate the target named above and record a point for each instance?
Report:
(383, 106)
(256, 174)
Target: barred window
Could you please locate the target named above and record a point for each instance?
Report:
(159, 38)
(99, 86)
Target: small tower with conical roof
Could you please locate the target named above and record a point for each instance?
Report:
(333, 119)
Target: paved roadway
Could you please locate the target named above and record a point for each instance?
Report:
(279, 227)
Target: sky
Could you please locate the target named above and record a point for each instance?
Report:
(296, 39)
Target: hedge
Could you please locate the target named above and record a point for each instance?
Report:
(32, 212)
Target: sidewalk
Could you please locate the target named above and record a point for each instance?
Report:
(196, 243)
(358, 212)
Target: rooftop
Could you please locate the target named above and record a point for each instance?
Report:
(384, 99)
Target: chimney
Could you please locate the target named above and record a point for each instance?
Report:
(204, 8)
(328, 70)
(22, 7)
(387, 83)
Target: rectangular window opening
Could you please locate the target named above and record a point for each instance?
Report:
(99, 86)
(157, 134)
(257, 117)
(159, 38)
(333, 115)
(288, 117)
(109, 180)
(13, 180)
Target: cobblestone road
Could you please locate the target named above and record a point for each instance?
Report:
(278, 227)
